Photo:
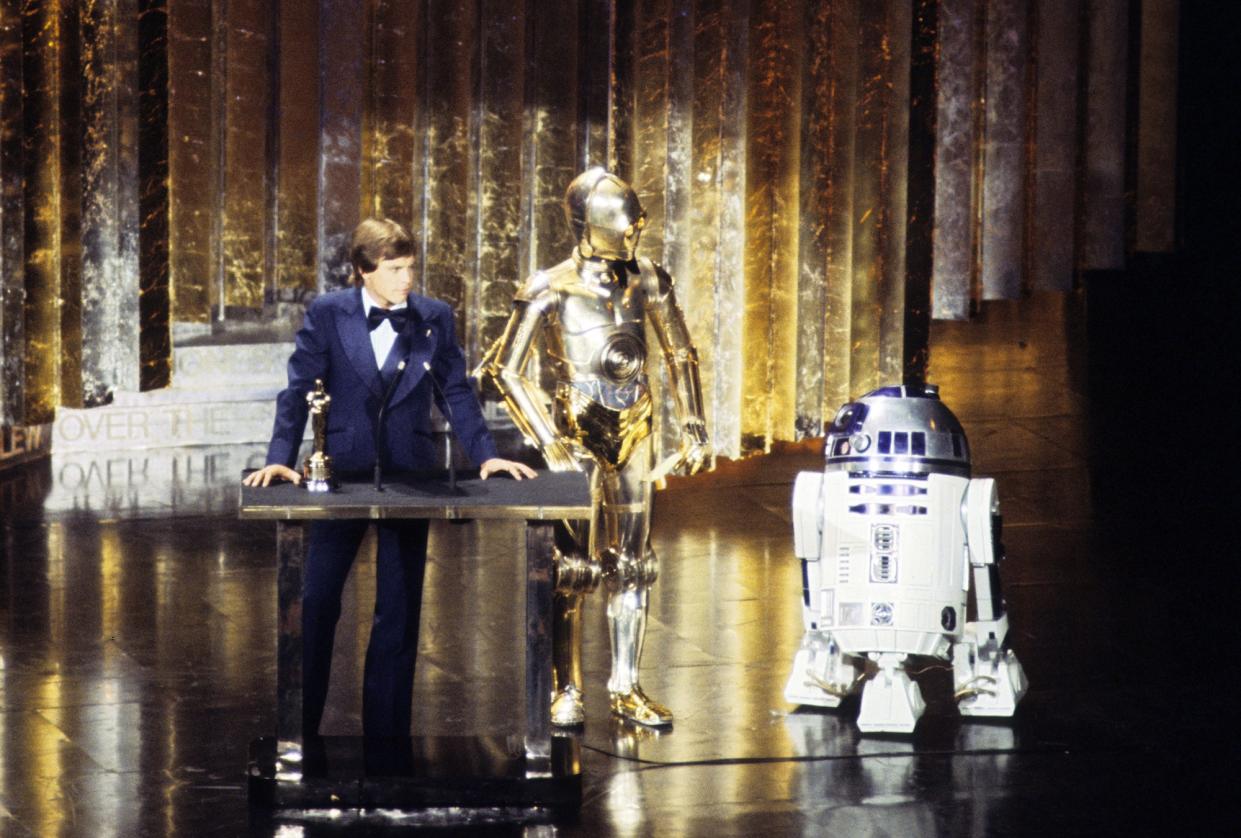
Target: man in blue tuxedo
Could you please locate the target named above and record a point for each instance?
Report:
(354, 340)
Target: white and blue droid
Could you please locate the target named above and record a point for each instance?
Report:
(892, 535)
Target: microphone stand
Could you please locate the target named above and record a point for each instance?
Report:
(452, 468)
(381, 431)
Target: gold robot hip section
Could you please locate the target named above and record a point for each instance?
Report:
(611, 435)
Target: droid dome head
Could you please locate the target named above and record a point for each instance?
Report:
(898, 431)
(604, 213)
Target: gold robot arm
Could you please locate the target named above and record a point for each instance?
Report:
(682, 359)
(505, 366)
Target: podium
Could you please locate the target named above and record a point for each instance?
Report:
(534, 770)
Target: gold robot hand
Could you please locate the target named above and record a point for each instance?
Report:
(559, 456)
(694, 454)
(695, 450)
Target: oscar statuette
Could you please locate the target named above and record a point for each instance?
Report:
(317, 468)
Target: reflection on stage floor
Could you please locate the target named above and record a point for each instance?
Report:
(137, 645)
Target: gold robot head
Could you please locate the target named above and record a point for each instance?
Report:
(604, 214)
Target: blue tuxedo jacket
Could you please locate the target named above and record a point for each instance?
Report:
(334, 345)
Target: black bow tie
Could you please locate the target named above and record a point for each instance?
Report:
(399, 317)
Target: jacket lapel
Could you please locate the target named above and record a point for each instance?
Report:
(421, 337)
(356, 338)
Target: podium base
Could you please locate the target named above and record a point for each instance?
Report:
(458, 778)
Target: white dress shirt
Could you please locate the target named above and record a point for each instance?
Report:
(383, 335)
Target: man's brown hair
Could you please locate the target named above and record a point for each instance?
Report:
(375, 240)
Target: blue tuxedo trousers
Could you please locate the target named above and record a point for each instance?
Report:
(388, 680)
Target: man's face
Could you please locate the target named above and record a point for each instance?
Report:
(391, 281)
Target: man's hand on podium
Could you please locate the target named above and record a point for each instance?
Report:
(265, 475)
(515, 470)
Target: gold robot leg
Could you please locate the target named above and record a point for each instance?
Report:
(577, 574)
(568, 709)
(629, 569)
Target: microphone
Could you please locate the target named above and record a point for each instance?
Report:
(381, 431)
(452, 469)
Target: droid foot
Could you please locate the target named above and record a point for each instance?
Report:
(987, 681)
(891, 702)
(987, 678)
(822, 675)
(636, 707)
(568, 709)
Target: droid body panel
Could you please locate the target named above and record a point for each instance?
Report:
(592, 311)
(892, 535)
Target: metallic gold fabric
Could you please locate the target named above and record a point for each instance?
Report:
(340, 144)
(110, 286)
(835, 82)
(494, 248)
(52, 338)
(771, 225)
(155, 292)
(550, 159)
(714, 302)
(655, 160)
(878, 193)
(446, 155)
(12, 218)
(247, 134)
(297, 159)
(770, 143)
(816, 204)
(193, 163)
(599, 54)
(391, 97)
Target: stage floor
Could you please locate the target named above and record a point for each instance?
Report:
(137, 641)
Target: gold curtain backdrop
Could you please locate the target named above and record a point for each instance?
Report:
(821, 178)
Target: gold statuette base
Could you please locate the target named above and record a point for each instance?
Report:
(317, 473)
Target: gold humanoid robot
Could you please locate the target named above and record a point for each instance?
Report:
(592, 310)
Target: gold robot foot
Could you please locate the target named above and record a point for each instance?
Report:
(568, 709)
(636, 707)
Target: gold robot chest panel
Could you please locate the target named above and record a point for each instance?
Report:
(602, 336)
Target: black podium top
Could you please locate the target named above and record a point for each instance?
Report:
(550, 496)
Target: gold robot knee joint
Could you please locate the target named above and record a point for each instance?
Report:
(623, 572)
(575, 573)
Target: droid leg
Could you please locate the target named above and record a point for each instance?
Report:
(577, 574)
(987, 677)
(629, 569)
(891, 702)
(822, 674)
